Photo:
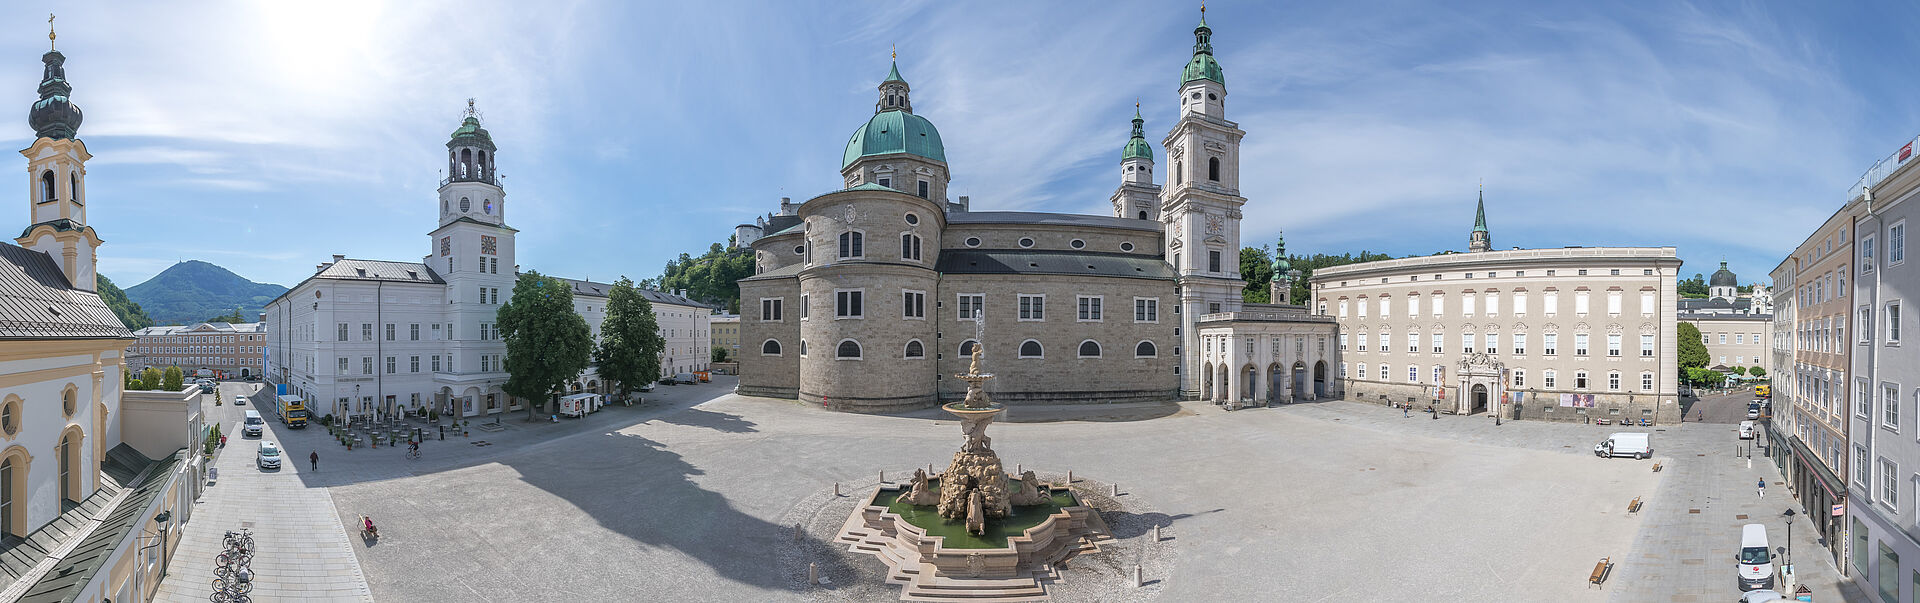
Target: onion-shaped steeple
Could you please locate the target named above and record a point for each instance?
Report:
(1137, 147)
(1203, 67)
(54, 115)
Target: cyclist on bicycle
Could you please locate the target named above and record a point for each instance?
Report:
(413, 447)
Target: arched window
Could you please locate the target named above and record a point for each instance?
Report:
(466, 162)
(1089, 349)
(1143, 215)
(915, 350)
(1031, 349)
(67, 491)
(770, 348)
(73, 190)
(910, 246)
(803, 348)
(849, 350)
(966, 348)
(1213, 169)
(47, 192)
(7, 528)
(1145, 350)
(852, 245)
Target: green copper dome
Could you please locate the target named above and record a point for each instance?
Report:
(470, 134)
(1202, 67)
(895, 132)
(1137, 147)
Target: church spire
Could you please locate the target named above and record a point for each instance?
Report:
(54, 115)
(893, 90)
(1480, 239)
(1203, 66)
(1137, 147)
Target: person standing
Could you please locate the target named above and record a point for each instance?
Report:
(1405, 414)
(314, 458)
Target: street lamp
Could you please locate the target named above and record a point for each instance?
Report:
(1789, 516)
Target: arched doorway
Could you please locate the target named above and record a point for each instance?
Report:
(1300, 390)
(1206, 382)
(1251, 376)
(1223, 384)
(1319, 379)
(244, 374)
(1479, 399)
(1276, 383)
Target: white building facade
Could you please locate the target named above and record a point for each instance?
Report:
(374, 337)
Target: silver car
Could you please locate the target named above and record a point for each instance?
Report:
(268, 457)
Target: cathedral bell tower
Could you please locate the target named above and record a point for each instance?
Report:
(1138, 197)
(1201, 201)
(56, 171)
(1480, 239)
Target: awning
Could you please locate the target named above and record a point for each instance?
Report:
(1835, 488)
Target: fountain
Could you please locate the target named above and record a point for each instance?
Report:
(973, 532)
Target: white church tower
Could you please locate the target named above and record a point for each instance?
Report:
(1138, 197)
(1201, 202)
(57, 172)
(473, 251)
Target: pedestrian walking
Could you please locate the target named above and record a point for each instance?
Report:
(1405, 414)
(314, 458)
(1763, 487)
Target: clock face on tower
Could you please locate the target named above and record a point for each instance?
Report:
(488, 205)
(465, 205)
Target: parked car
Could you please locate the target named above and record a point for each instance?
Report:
(239, 400)
(1753, 410)
(1746, 430)
(253, 424)
(268, 457)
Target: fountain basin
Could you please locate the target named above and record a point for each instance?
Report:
(937, 559)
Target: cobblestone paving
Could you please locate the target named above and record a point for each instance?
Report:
(301, 550)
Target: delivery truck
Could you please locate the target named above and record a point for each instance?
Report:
(1636, 445)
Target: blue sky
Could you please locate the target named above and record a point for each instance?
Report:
(265, 136)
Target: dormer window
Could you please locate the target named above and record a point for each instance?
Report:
(885, 181)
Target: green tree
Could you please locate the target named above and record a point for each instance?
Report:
(1693, 287)
(630, 341)
(150, 378)
(1756, 372)
(1693, 354)
(1256, 268)
(231, 317)
(1306, 264)
(129, 313)
(548, 344)
(1740, 370)
(713, 278)
(172, 380)
(720, 353)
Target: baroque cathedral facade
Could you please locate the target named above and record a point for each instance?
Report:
(866, 298)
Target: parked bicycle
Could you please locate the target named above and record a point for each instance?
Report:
(241, 540)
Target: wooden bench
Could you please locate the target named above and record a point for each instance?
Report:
(1600, 571)
(1656, 467)
(1602, 421)
(1634, 507)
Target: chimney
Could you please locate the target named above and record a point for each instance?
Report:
(337, 257)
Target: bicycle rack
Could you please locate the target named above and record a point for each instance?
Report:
(232, 569)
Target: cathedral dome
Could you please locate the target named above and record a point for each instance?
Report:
(54, 115)
(894, 132)
(1723, 277)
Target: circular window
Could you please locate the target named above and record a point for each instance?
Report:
(1210, 96)
(465, 205)
(1026, 242)
(1196, 96)
(67, 401)
(973, 241)
(1126, 247)
(913, 219)
(316, 295)
(1077, 244)
(10, 417)
(799, 249)
(487, 206)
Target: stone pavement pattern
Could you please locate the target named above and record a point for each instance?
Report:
(301, 550)
(1302, 503)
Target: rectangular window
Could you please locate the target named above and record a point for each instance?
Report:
(1862, 469)
(1089, 307)
(1548, 379)
(1613, 344)
(343, 332)
(1413, 306)
(366, 331)
(343, 366)
(1550, 302)
(1613, 303)
(913, 304)
(1897, 243)
(1519, 303)
(1466, 343)
(1146, 310)
(1439, 305)
(852, 245)
(1386, 345)
(1646, 344)
(1519, 377)
(391, 369)
(1519, 344)
(1343, 370)
(1466, 304)
(1363, 342)
(1550, 342)
(366, 365)
(1613, 382)
(413, 364)
(1343, 308)
(413, 331)
(389, 331)
(1580, 303)
(1889, 484)
(1493, 304)
(1439, 343)
(1413, 343)
(910, 247)
(436, 363)
(1893, 323)
(923, 189)
(1386, 306)
(847, 304)
(1343, 348)
(970, 304)
(1493, 343)
(1865, 325)
(1646, 303)
(1439, 375)
(1646, 382)
(1579, 344)
(1213, 261)
(1890, 406)
(1866, 254)
(1033, 307)
(770, 308)
(1413, 374)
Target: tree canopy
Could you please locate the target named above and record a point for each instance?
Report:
(129, 312)
(630, 341)
(548, 344)
(1695, 287)
(1693, 354)
(172, 380)
(230, 317)
(1754, 371)
(713, 278)
(1256, 268)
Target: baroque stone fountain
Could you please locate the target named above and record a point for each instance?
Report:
(973, 532)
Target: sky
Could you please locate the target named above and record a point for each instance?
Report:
(266, 136)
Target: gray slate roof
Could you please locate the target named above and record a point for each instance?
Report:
(37, 302)
(593, 289)
(992, 261)
(63, 583)
(222, 327)
(786, 271)
(1049, 219)
(380, 270)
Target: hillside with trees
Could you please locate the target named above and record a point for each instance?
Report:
(129, 312)
(713, 278)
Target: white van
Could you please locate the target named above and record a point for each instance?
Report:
(1636, 445)
(253, 424)
(1755, 559)
(1746, 430)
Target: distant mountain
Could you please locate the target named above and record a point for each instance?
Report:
(195, 291)
(129, 312)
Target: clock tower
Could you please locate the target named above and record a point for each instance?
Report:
(472, 250)
(1201, 201)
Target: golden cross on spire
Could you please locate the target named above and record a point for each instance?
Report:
(1203, 9)
(896, 52)
(50, 35)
